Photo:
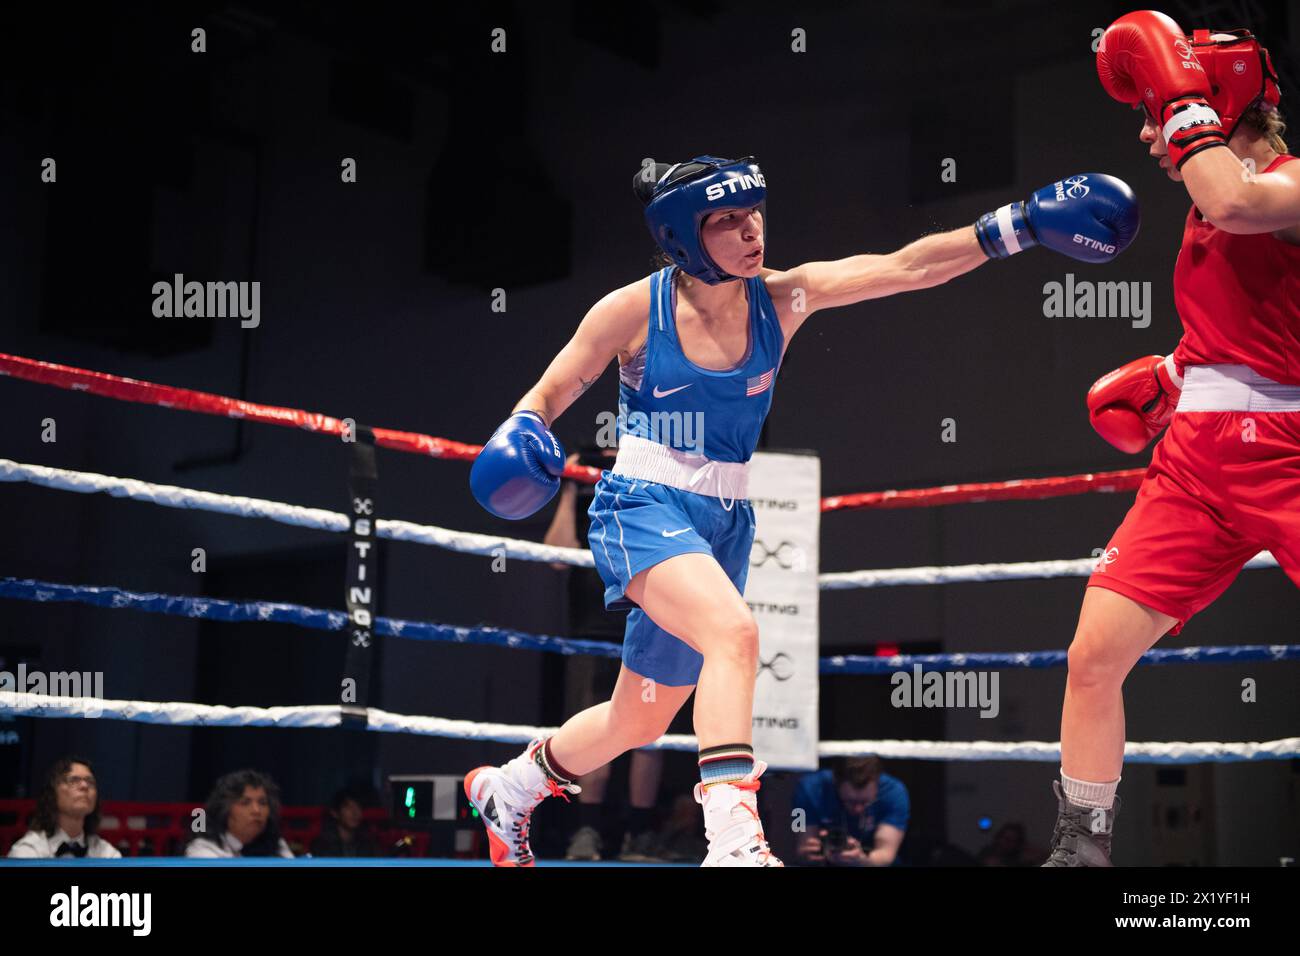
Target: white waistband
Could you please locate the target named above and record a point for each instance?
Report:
(1235, 388)
(651, 461)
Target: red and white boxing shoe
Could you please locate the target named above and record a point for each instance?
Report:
(732, 825)
(505, 798)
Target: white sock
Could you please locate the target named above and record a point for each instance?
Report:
(1084, 793)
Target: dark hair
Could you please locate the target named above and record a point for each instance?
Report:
(644, 189)
(857, 772)
(45, 818)
(342, 796)
(226, 792)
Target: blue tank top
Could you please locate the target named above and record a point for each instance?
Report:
(718, 414)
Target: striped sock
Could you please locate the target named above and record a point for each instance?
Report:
(550, 766)
(725, 764)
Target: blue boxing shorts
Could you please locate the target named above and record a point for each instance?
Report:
(635, 524)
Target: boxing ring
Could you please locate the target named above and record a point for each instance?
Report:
(179, 713)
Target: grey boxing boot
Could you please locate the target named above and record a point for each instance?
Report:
(1082, 834)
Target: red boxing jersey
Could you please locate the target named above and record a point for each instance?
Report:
(1239, 299)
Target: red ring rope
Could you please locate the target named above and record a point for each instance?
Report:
(148, 393)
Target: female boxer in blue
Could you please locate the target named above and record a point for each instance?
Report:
(699, 344)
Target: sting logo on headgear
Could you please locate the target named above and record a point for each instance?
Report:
(683, 195)
(1240, 72)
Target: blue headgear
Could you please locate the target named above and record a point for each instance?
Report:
(684, 194)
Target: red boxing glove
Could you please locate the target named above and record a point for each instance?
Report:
(1145, 58)
(1129, 406)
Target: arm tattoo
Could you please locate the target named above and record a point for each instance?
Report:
(586, 384)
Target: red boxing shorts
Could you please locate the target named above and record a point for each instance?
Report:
(1222, 486)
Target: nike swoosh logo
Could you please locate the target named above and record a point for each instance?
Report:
(673, 534)
(658, 394)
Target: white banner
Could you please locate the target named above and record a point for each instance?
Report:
(782, 591)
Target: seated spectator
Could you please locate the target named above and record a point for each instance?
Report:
(66, 816)
(242, 818)
(855, 815)
(344, 832)
(1009, 848)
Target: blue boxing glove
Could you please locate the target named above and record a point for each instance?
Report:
(519, 468)
(1091, 217)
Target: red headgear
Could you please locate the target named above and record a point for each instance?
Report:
(1240, 72)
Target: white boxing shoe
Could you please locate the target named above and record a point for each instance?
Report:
(732, 825)
(505, 798)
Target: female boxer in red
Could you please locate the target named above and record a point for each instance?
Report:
(1224, 482)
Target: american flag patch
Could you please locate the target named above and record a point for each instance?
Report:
(759, 383)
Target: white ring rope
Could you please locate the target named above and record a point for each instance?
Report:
(172, 496)
(330, 715)
(960, 573)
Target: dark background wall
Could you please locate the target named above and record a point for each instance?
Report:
(480, 171)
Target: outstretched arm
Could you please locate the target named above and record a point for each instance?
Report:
(1091, 217)
(927, 262)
